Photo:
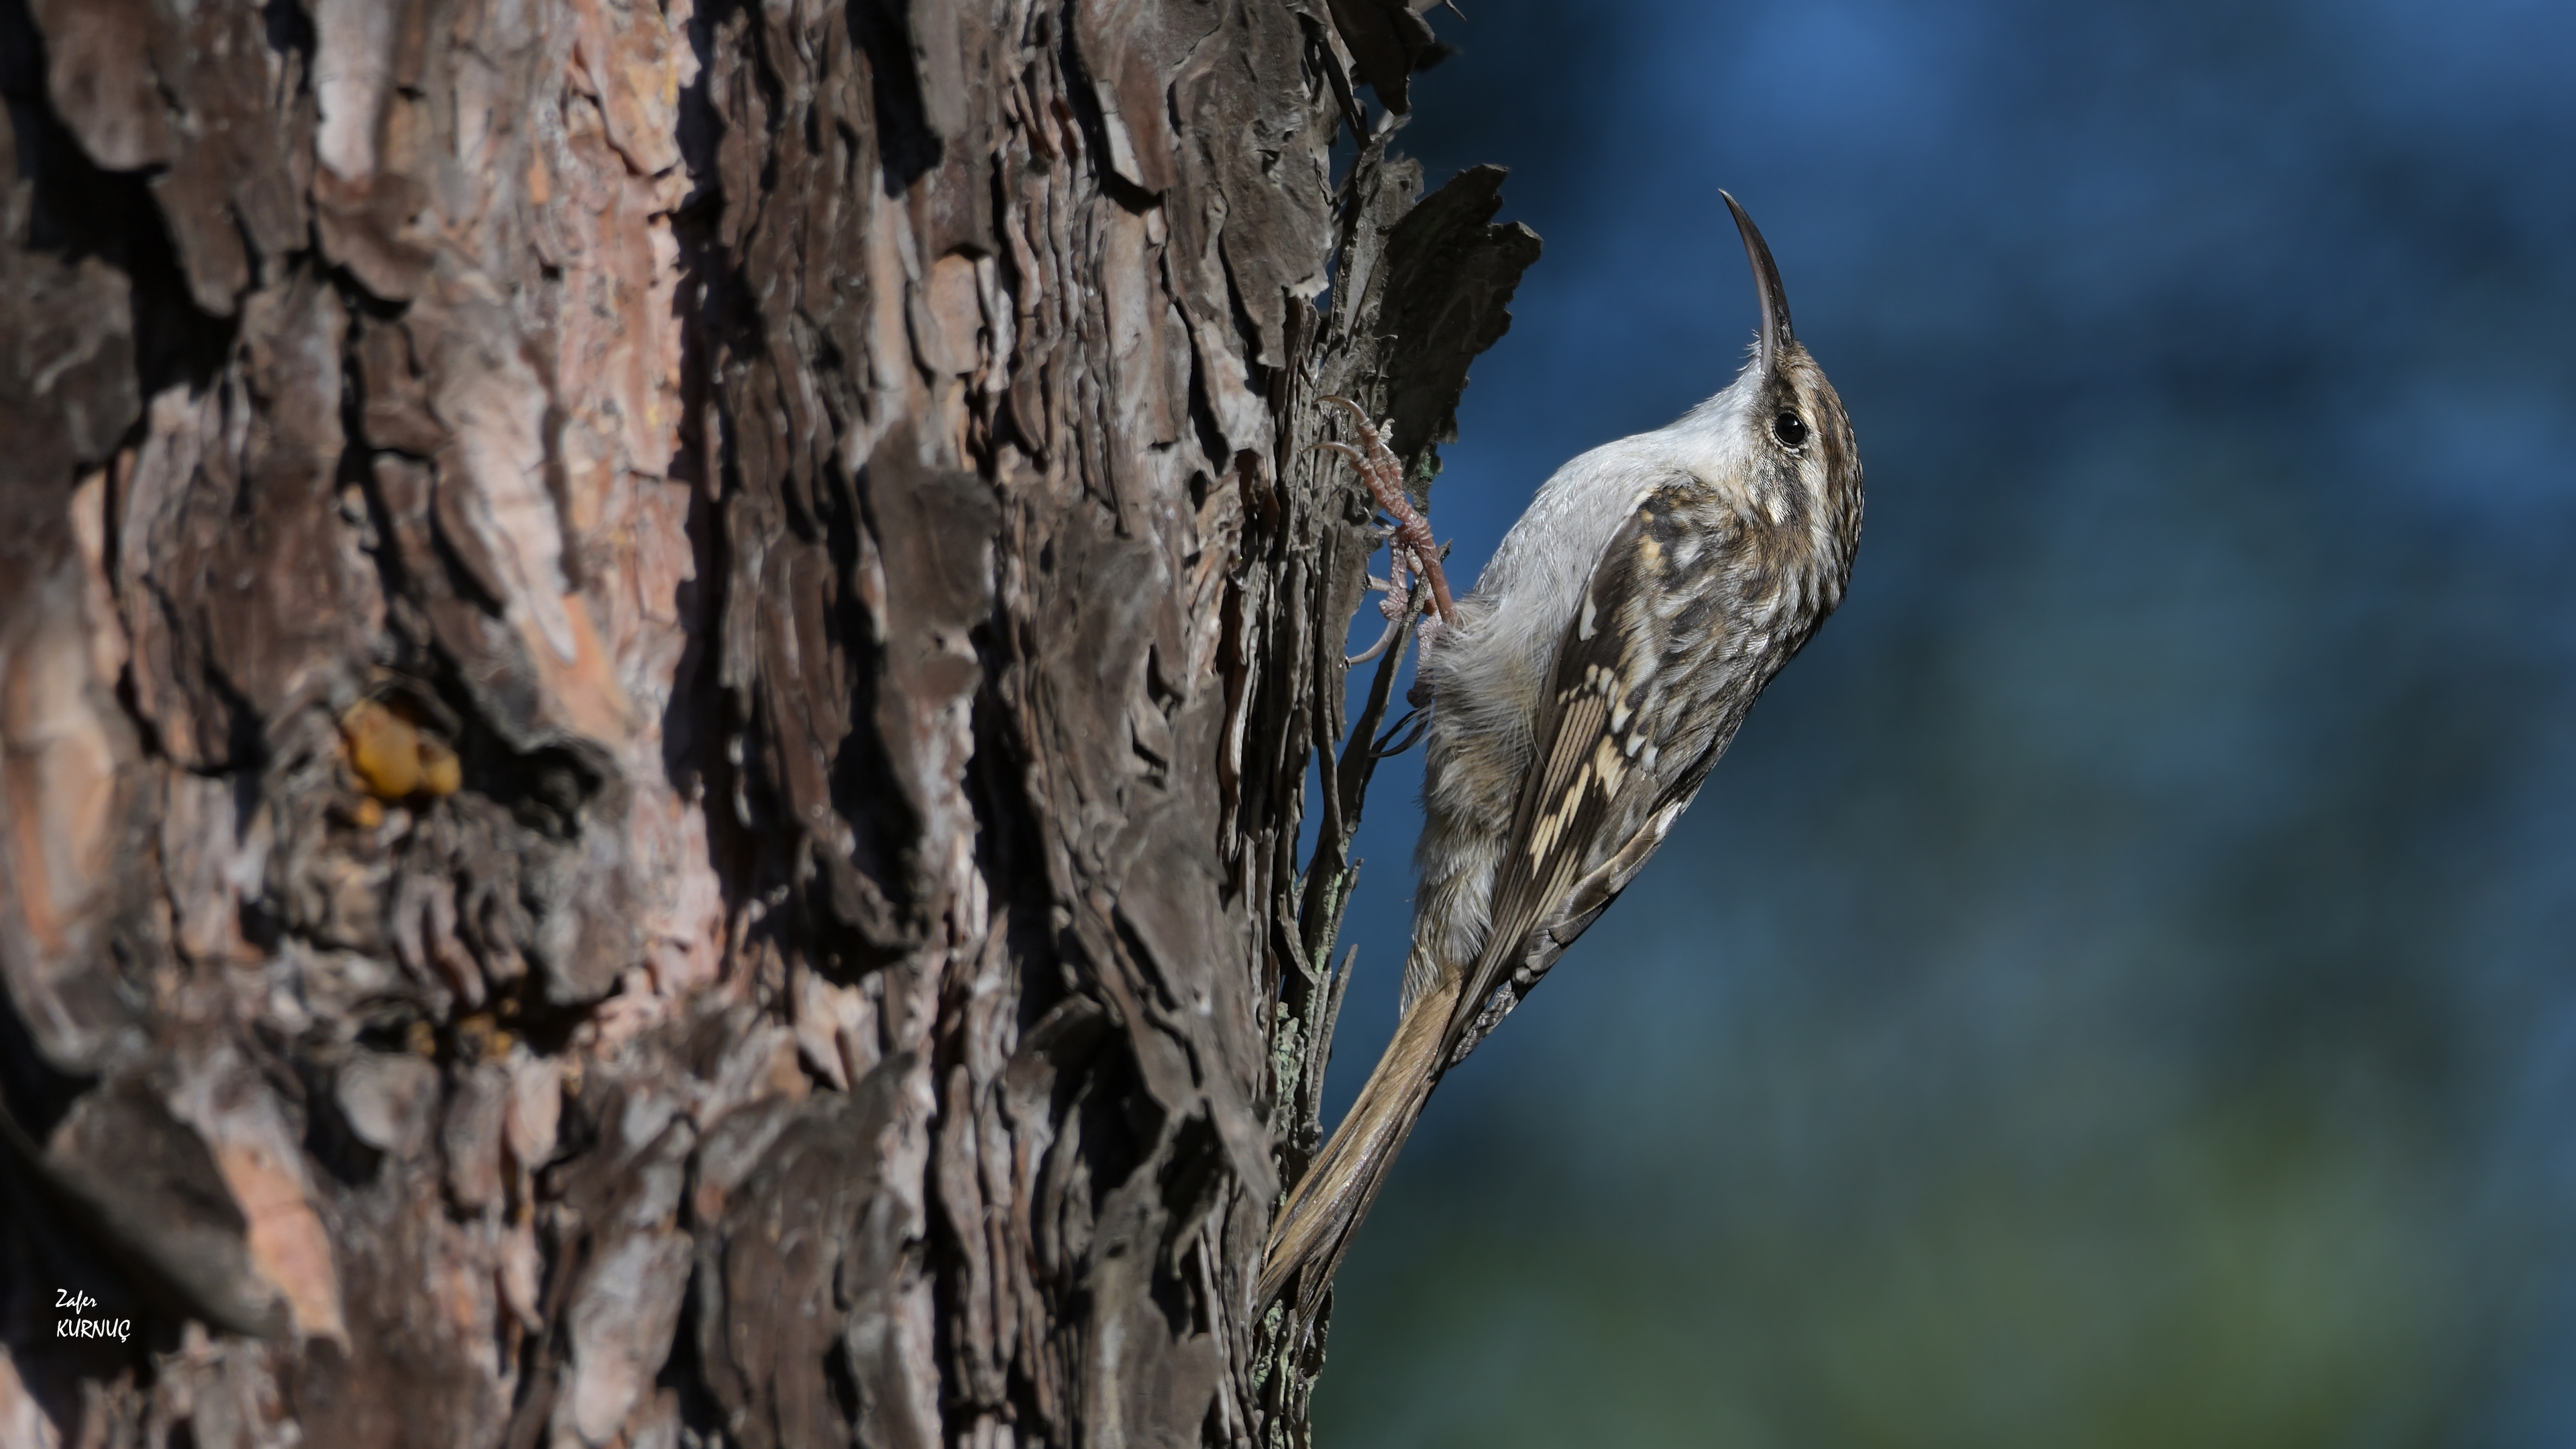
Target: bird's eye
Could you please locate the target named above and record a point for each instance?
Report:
(1790, 429)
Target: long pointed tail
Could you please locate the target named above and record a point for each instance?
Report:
(1314, 1230)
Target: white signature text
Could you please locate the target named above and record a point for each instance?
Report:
(79, 1327)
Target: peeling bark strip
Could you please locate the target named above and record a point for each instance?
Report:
(657, 666)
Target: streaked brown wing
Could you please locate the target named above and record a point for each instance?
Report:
(1597, 776)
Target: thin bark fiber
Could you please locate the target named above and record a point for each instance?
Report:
(657, 673)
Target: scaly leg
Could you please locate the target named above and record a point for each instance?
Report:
(1383, 472)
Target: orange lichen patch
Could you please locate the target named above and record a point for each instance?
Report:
(384, 750)
(393, 757)
(363, 813)
(480, 1039)
(441, 773)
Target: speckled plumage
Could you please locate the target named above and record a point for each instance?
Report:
(1607, 655)
(1705, 555)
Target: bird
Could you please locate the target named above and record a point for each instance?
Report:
(1579, 696)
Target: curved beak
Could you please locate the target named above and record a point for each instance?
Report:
(1776, 334)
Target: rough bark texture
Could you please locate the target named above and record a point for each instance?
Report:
(657, 669)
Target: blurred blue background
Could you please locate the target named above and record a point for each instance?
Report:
(2118, 989)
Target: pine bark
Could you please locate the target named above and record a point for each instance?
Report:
(657, 673)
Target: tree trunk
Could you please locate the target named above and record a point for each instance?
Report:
(657, 671)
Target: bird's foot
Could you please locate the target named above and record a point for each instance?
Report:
(1411, 545)
(1400, 599)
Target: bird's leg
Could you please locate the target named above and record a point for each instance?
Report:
(1383, 473)
(1396, 588)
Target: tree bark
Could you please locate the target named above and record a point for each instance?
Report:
(657, 673)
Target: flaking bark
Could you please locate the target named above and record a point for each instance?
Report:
(657, 667)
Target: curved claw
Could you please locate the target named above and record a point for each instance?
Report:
(1374, 650)
(1359, 415)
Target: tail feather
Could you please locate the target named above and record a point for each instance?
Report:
(1314, 1229)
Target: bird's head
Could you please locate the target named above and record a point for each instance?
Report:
(1791, 432)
